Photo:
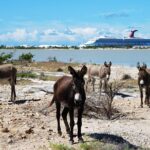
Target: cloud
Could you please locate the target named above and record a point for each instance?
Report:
(50, 32)
(115, 15)
(85, 31)
(19, 35)
(67, 35)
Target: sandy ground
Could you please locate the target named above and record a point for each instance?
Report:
(23, 126)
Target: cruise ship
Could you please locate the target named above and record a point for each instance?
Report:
(130, 41)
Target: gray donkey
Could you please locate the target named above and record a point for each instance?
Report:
(102, 72)
(8, 72)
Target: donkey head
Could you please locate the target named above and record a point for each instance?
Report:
(107, 69)
(78, 84)
(142, 74)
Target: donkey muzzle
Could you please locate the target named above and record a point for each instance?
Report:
(141, 82)
(107, 77)
(77, 99)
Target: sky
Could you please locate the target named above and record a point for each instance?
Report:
(71, 22)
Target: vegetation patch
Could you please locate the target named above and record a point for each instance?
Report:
(5, 57)
(26, 57)
(60, 147)
(27, 75)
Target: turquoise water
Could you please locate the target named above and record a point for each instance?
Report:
(118, 57)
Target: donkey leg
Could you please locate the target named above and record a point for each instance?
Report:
(14, 83)
(64, 116)
(141, 95)
(13, 92)
(86, 86)
(100, 88)
(79, 123)
(93, 82)
(147, 93)
(105, 85)
(71, 113)
(58, 117)
(11, 85)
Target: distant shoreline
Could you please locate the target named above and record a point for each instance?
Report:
(107, 49)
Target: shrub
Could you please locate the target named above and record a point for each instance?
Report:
(26, 57)
(27, 75)
(5, 57)
(126, 77)
(60, 147)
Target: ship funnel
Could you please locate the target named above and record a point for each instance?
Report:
(131, 35)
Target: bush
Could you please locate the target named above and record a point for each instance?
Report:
(5, 57)
(26, 57)
(126, 77)
(27, 75)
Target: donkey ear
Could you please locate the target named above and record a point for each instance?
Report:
(138, 65)
(83, 70)
(110, 63)
(144, 66)
(71, 70)
(105, 63)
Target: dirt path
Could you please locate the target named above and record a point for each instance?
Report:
(23, 126)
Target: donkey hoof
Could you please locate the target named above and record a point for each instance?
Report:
(80, 140)
(68, 132)
(71, 142)
(60, 133)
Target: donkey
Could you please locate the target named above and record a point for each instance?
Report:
(8, 71)
(70, 92)
(144, 82)
(102, 72)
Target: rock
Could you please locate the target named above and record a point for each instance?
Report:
(42, 127)
(5, 130)
(50, 130)
(29, 131)
(9, 141)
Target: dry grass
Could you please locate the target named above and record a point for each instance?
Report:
(130, 83)
(52, 66)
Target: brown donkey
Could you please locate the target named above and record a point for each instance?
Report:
(8, 71)
(70, 92)
(144, 82)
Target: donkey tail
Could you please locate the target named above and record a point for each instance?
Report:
(52, 101)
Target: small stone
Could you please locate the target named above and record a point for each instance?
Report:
(5, 130)
(42, 127)
(50, 130)
(9, 141)
(29, 131)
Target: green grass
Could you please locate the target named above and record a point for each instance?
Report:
(92, 145)
(60, 147)
(27, 75)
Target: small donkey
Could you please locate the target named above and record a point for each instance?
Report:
(8, 71)
(144, 82)
(102, 72)
(70, 92)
